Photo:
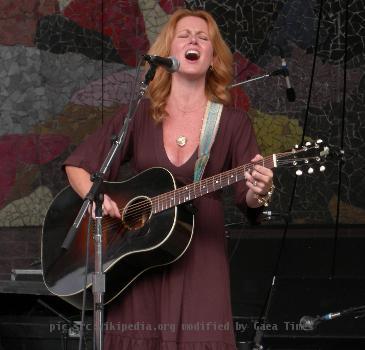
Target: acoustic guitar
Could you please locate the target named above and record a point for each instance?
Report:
(156, 227)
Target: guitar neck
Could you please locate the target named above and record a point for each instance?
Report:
(211, 184)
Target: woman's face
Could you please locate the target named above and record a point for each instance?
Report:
(191, 45)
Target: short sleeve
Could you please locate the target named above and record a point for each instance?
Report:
(91, 153)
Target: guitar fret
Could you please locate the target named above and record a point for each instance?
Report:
(205, 186)
(153, 207)
(187, 197)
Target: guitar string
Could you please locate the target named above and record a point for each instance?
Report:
(140, 207)
(223, 176)
(137, 209)
(209, 183)
(135, 216)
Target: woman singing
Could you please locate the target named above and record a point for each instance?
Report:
(184, 305)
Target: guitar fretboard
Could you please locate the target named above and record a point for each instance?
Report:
(211, 184)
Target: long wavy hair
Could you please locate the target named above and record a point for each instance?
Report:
(217, 79)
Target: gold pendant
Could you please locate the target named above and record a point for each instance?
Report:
(181, 141)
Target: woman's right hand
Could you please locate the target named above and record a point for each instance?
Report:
(109, 208)
(80, 181)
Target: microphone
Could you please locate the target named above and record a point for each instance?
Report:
(309, 323)
(171, 64)
(290, 93)
(280, 71)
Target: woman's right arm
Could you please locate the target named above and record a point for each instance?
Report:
(79, 180)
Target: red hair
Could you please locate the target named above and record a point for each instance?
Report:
(217, 79)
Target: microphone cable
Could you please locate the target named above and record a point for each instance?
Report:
(264, 313)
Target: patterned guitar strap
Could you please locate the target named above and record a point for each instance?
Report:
(207, 136)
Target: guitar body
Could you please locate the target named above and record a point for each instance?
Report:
(130, 246)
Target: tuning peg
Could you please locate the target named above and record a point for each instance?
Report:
(296, 146)
(310, 170)
(308, 144)
(322, 168)
(299, 172)
(317, 143)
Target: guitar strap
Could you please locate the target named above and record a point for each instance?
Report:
(207, 136)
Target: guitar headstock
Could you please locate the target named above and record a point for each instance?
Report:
(310, 156)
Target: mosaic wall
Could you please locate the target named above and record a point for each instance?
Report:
(56, 55)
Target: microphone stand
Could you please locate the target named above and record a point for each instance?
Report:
(257, 342)
(95, 194)
(259, 335)
(308, 323)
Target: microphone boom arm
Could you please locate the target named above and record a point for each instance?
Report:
(281, 71)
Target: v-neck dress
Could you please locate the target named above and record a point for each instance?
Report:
(185, 305)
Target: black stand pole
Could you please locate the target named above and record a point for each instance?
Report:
(258, 339)
(259, 334)
(95, 194)
(98, 276)
(97, 178)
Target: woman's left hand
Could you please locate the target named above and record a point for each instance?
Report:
(259, 182)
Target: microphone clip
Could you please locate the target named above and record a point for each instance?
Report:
(170, 64)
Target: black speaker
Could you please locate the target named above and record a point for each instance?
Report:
(26, 324)
(38, 333)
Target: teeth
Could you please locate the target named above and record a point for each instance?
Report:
(192, 53)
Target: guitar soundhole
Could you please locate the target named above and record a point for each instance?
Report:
(137, 212)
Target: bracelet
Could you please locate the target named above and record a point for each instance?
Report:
(265, 199)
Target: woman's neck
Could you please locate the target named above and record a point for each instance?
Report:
(187, 94)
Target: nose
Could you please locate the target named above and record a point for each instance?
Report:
(193, 39)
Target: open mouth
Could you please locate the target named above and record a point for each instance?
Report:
(192, 55)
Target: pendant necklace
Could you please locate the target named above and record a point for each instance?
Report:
(182, 139)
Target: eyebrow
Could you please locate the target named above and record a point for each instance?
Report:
(189, 31)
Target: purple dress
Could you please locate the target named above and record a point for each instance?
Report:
(185, 305)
